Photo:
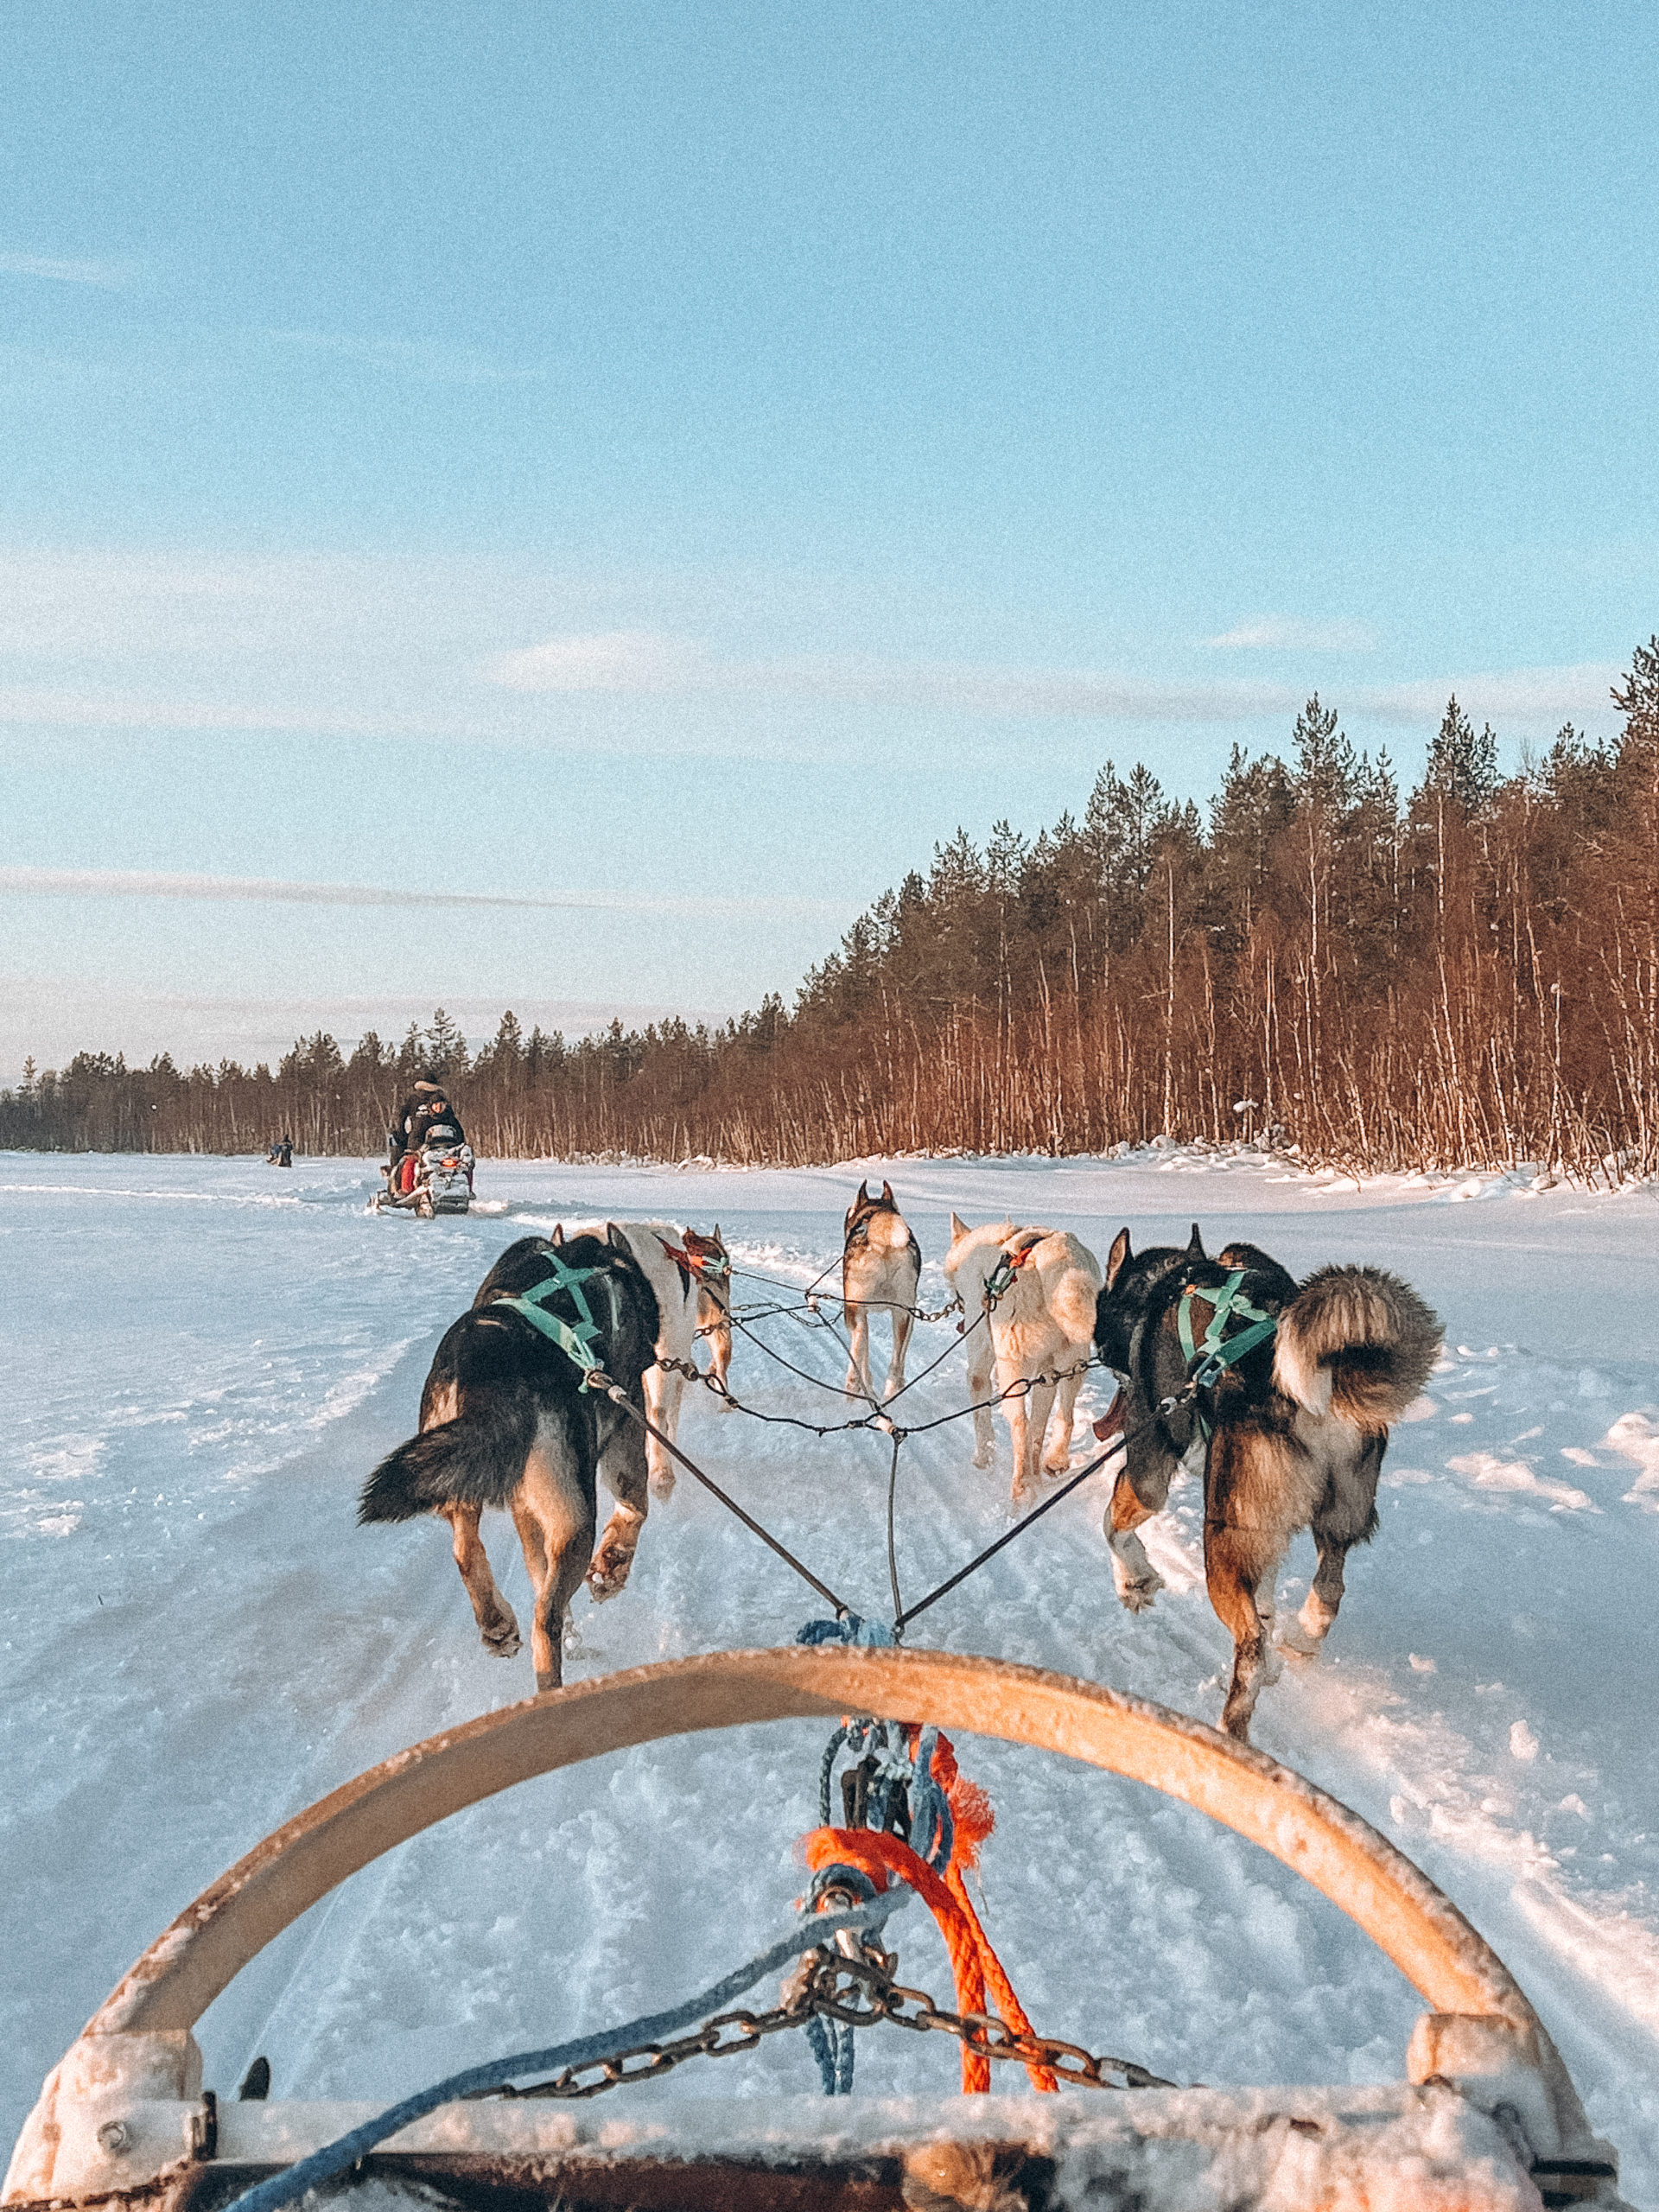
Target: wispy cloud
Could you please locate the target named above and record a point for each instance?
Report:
(421, 356)
(1287, 634)
(108, 276)
(1525, 694)
(651, 663)
(78, 710)
(134, 883)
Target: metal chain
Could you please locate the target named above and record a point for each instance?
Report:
(859, 1993)
(811, 1295)
(880, 1422)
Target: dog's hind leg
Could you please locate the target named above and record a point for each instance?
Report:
(622, 1462)
(1235, 1577)
(1346, 1515)
(497, 1626)
(903, 1322)
(1033, 1408)
(1057, 1458)
(857, 1384)
(555, 1514)
(1248, 1476)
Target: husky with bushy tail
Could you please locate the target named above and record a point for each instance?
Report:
(505, 1422)
(1292, 1434)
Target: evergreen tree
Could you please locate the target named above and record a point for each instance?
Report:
(446, 1048)
(1462, 768)
(1637, 700)
(1248, 818)
(1326, 772)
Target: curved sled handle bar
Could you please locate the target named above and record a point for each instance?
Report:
(1398, 1907)
(1404, 1914)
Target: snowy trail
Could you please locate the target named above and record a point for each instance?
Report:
(198, 1641)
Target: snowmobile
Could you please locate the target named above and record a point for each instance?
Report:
(1487, 2118)
(441, 1181)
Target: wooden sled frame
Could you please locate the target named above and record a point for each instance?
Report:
(123, 2115)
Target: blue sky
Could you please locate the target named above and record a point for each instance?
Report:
(680, 462)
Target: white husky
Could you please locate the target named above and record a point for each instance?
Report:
(880, 1266)
(1043, 1285)
(652, 1244)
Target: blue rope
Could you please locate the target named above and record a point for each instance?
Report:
(335, 2157)
(853, 1629)
(932, 1826)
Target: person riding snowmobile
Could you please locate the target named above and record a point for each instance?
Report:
(425, 1113)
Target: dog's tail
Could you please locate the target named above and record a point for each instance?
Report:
(477, 1459)
(1356, 1342)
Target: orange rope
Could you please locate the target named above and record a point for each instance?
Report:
(881, 1857)
(974, 1964)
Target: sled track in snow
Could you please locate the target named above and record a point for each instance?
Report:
(253, 1648)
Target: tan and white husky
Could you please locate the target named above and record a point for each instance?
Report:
(881, 1267)
(1028, 1309)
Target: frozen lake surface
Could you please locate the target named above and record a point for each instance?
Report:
(205, 1358)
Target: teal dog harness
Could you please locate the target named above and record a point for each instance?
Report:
(1207, 1362)
(574, 1339)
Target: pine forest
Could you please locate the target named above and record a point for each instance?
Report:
(1468, 974)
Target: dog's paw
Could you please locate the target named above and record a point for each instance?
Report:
(502, 1638)
(1138, 1596)
(1294, 1642)
(662, 1484)
(982, 1457)
(1061, 1467)
(609, 1571)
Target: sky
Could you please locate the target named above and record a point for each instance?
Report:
(559, 506)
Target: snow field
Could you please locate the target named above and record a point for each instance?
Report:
(209, 1355)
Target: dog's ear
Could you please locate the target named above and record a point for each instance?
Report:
(716, 1233)
(558, 1237)
(1195, 1244)
(618, 1241)
(887, 1198)
(863, 1199)
(958, 1227)
(1116, 1256)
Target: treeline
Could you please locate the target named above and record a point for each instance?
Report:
(1467, 973)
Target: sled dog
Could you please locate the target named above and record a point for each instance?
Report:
(505, 1422)
(675, 1272)
(1028, 1309)
(880, 1266)
(714, 1265)
(1292, 1435)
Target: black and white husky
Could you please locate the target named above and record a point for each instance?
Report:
(505, 1422)
(1292, 1435)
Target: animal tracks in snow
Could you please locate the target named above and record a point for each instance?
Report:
(179, 1684)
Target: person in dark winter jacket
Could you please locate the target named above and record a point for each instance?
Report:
(426, 1110)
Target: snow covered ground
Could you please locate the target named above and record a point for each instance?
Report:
(205, 1357)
